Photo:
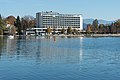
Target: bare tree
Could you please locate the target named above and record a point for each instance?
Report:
(29, 21)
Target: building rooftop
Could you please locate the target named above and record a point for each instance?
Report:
(56, 13)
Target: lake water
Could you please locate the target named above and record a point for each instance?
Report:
(35, 58)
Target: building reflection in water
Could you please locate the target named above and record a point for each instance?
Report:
(45, 50)
(11, 47)
(81, 48)
(61, 51)
(19, 47)
(38, 51)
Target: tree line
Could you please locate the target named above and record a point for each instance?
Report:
(20, 24)
(95, 27)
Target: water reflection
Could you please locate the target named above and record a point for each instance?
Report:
(81, 48)
(1, 45)
(45, 50)
(38, 51)
(11, 46)
(59, 58)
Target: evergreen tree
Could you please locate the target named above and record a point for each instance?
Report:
(95, 24)
(0, 21)
(1, 25)
(0, 16)
(18, 25)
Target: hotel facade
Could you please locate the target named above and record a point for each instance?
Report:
(57, 21)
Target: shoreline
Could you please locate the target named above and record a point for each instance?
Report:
(71, 35)
(90, 35)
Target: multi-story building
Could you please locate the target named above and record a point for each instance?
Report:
(59, 21)
(56, 21)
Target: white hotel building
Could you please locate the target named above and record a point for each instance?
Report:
(58, 21)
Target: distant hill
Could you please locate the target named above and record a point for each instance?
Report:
(90, 21)
(84, 26)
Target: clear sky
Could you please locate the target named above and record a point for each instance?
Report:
(100, 9)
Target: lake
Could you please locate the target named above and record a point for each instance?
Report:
(60, 58)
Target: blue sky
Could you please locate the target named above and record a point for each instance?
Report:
(100, 9)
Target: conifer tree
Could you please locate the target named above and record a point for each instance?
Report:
(18, 25)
